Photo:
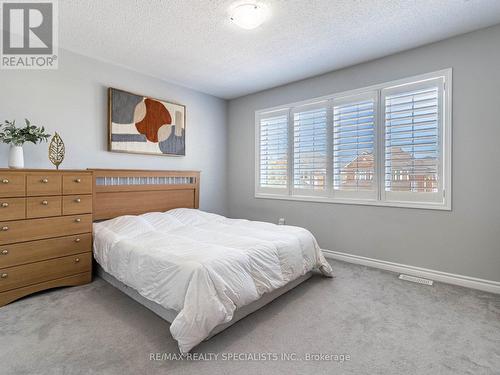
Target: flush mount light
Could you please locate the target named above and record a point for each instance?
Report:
(249, 16)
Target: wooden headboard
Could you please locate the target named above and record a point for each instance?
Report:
(120, 192)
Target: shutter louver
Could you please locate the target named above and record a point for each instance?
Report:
(273, 151)
(353, 145)
(309, 149)
(412, 139)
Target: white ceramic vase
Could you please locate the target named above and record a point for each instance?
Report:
(16, 157)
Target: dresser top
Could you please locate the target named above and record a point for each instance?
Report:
(21, 170)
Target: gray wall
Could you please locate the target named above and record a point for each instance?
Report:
(73, 102)
(464, 241)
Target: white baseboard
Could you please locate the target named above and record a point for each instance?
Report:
(444, 277)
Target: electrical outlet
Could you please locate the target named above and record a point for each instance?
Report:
(281, 221)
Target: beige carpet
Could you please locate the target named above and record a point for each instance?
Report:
(384, 325)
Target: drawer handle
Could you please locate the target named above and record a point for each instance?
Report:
(77, 260)
(5, 204)
(78, 180)
(5, 229)
(45, 181)
(45, 203)
(78, 200)
(5, 252)
(78, 220)
(5, 181)
(77, 239)
(4, 275)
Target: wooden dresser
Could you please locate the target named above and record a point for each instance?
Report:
(45, 230)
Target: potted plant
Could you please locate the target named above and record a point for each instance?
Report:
(17, 137)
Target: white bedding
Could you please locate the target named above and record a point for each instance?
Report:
(202, 265)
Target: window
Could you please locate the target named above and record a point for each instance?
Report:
(354, 163)
(412, 154)
(309, 150)
(387, 144)
(273, 151)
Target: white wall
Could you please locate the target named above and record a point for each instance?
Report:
(73, 101)
(464, 241)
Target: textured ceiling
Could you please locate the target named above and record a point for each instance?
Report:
(193, 43)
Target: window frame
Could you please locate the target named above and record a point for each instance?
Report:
(268, 190)
(394, 196)
(357, 97)
(379, 147)
(295, 191)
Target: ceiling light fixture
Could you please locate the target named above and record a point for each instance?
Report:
(249, 16)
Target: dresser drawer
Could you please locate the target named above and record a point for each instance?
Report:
(12, 208)
(39, 229)
(13, 294)
(77, 204)
(77, 183)
(43, 184)
(12, 184)
(43, 207)
(35, 251)
(33, 273)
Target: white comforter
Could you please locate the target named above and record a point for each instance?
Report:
(202, 265)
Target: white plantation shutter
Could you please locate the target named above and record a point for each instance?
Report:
(387, 144)
(310, 149)
(273, 152)
(354, 161)
(413, 123)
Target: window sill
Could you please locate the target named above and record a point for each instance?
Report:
(363, 202)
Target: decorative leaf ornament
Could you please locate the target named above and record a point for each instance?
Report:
(56, 150)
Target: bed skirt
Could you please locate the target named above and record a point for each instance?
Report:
(169, 314)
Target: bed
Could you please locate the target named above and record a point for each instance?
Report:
(199, 271)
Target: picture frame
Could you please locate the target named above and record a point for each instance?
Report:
(140, 124)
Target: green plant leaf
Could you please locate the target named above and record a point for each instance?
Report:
(18, 136)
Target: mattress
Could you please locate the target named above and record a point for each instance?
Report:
(203, 266)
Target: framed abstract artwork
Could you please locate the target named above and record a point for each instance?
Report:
(142, 125)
